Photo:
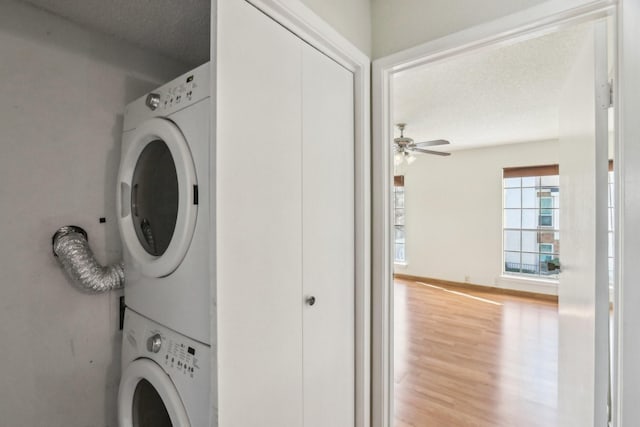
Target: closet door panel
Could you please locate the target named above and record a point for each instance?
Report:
(259, 220)
(328, 241)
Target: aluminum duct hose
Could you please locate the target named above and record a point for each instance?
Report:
(72, 249)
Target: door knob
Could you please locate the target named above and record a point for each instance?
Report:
(310, 300)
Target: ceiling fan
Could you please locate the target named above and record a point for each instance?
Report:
(406, 146)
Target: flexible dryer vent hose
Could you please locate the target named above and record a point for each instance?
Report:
(72, 249)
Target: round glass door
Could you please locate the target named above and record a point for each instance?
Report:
(154, 198)
(157, 197)
(148, 408)
(148, 398)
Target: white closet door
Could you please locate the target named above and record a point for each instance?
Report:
(259, 220)
(328, 241)
(583, 288)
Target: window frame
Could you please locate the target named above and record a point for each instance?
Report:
(517, 231)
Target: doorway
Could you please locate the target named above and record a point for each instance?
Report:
(466, 177)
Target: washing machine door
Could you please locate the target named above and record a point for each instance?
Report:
(148, 398)
(157, 197)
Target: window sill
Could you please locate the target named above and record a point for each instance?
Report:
(401, 264)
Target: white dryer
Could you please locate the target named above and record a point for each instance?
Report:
(163, 204)
(165, 380)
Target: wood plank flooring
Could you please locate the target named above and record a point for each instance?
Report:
(467, 358)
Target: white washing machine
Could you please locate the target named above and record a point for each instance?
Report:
(165, 380)
(163, 205)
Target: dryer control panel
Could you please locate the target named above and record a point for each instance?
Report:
(181, 94)
(188, 89)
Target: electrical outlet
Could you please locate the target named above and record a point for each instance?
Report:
(467, 278)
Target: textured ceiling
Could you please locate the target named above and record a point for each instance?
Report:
(178, 29)
(498, 96)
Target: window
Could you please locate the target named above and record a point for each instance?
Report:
(546, 248)
(398, 220)
(531, 221)
(546, 211)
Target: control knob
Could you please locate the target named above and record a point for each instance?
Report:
(154, 343)
(153, 101)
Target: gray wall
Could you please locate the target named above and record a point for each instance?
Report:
(62, 92)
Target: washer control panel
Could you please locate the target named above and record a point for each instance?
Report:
(174, 353)
(178, 355)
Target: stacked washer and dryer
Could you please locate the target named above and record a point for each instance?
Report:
(164, 220)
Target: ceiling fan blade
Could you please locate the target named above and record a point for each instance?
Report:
(432, 143)
(437, 153)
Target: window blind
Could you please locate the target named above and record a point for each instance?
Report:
(542, 170)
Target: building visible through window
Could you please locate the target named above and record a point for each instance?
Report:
(398, 220)
(531, 221)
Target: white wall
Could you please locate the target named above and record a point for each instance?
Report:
(401, 24)
(454, 212)
(351, 18)
(62, 90)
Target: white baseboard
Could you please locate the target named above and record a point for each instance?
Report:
(539, 286)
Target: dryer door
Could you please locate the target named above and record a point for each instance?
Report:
(157, 197)
(148, 398)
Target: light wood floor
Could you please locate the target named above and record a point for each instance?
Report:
(467, 358)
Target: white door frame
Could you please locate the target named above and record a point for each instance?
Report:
(533, 22)
(626, 392)
(304, 23)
